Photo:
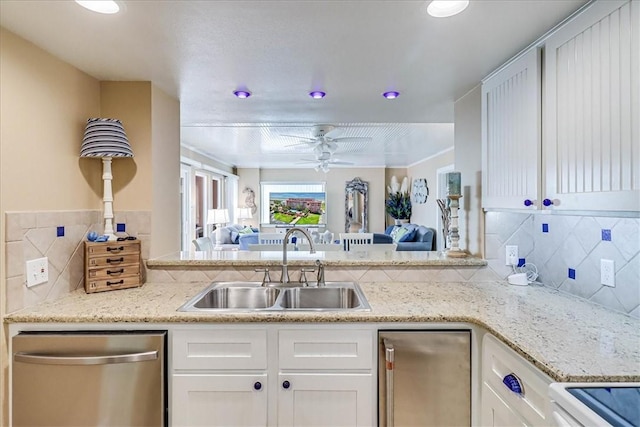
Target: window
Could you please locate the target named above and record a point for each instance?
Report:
(288, 204)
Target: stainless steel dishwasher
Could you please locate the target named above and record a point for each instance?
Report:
(424, 378)
(89, 378)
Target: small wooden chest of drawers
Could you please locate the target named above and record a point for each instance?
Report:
(111, 265)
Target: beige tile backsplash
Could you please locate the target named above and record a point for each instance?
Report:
(32, 235)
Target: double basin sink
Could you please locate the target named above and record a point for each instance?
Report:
(254, 296)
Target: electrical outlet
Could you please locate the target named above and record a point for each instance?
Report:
(511, 255)
(37, 271)
(608, 272)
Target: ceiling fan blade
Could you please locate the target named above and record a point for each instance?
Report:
(340, 162)
(298, 137)
(307, 143)
(352, 139)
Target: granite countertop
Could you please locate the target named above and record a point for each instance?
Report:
(295, 258)
(566, 337)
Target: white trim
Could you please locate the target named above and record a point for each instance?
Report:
(433, 156)
(202, 166)
(205, 154)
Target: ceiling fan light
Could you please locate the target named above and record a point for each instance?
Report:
(317, 94)
(107, 7)
(446, 8)
(391, 94)
(242, 94)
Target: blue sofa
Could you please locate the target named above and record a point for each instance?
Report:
(416, 238)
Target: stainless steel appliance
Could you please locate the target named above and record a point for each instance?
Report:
(424, 378)
(89, 379)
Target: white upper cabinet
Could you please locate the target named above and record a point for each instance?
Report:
(591, 110)
(588, 96)
(511, 133)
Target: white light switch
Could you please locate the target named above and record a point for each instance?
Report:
(37, 271)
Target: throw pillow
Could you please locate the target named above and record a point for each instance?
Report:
(397, 233)
(246, 230)
(234, 236)
(410, 235)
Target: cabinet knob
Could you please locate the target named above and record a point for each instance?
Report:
(513, 383)
(528, 202)
(547, 202)
(286, 384)
(257, 385)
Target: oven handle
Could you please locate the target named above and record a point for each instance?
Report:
(389, 355)
(47, 359)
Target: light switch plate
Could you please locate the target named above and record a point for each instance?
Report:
(37, 271)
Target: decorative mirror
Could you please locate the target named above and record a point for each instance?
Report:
(355, 206)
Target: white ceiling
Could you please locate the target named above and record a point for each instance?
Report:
(200, 51)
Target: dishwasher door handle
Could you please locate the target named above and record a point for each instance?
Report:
(48, 359)
(389, 355)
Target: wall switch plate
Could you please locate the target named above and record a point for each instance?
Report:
(37, 271)
(608, 272)
(511, 255)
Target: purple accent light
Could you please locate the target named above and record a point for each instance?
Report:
(242, 93)
(391, 94)
(317, 94)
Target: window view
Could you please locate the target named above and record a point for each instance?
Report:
(293, 204)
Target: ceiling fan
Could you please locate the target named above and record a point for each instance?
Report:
(324, 157)
(322, 134)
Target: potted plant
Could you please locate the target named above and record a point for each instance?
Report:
(398, 205)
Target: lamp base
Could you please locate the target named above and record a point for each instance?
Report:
(455, 254)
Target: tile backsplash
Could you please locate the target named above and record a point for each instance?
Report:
(57, 235)
(567, 250)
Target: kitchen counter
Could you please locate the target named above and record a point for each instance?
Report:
(296, 258)
(564, 336)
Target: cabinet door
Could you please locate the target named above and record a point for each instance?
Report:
(219, 400)
(591, 127)
(495, 412)
(511, 134)
(325, 400)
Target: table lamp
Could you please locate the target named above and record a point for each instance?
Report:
(244, 213)
(219, 217)
(107, 139)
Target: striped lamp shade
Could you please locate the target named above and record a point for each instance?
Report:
(105, 138)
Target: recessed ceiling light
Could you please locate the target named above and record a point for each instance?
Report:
(446, 8)
(100, 6)
(242, 93)
(317, 94)
(391, 94)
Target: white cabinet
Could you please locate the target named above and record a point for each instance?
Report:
(511, 134)
(326, 378)
(219, 400)
(219, 378)
(592, 110)
(325, 399)
(588, 156)
(502, 405)
(274, 375)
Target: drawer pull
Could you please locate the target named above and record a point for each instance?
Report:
(115, 249)
(115, 271)
(257, 385)
(119, 282)
(286, 384)
(115, 260)
(513, 383)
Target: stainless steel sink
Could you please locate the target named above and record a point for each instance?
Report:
(233, 297)
(321, 298)
(252, 296)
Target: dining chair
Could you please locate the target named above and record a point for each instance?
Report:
(356, 241)
(203, 244)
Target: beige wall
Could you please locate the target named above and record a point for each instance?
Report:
(427, 213)
(468, 160)
(44, 104)
(335, 184)
(130, 102)
(165, 154)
